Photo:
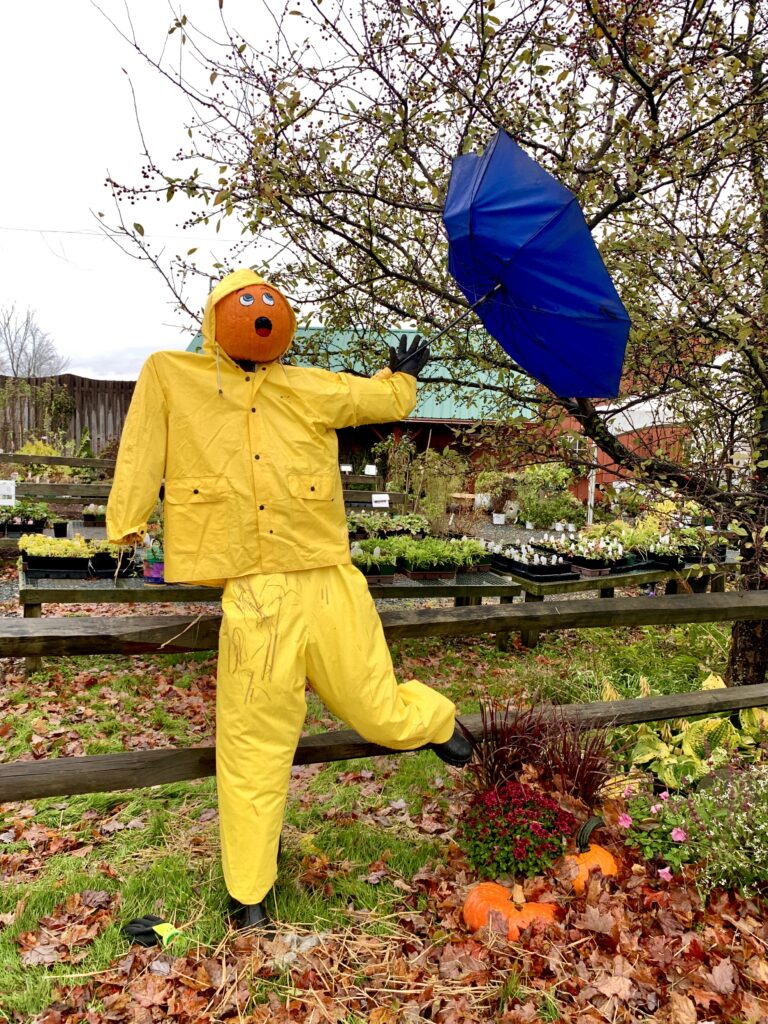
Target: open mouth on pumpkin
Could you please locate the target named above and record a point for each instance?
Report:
(263, 326)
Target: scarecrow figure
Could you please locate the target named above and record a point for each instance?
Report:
(247, 449)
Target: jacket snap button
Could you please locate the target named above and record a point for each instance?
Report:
(253, 408)
(257, 456)
(312, 487)
(196, 491)
(247, 378)
(261, 508)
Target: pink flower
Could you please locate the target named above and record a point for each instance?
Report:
(656, 808)
(666, 874)
(679, 835)
(664, 795)
(625, 821)
(628, 791)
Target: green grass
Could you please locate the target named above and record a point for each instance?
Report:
(168, 862)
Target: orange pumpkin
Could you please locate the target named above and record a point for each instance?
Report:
(488, 897)
(590, 857)
(255, 323)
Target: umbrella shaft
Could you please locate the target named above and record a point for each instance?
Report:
(459, 318)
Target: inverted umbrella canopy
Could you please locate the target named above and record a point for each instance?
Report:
(517, 236)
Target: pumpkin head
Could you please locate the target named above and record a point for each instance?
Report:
(590, 857)
(490, 897)
(255, 323)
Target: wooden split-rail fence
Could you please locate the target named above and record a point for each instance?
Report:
(54, 636)
(358, 488)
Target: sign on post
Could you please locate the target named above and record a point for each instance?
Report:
(7, 492)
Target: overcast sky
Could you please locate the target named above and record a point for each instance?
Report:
(67, 119)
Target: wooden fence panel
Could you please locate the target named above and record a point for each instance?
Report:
(65, 404)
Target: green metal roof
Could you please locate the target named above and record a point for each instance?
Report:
(340, 351)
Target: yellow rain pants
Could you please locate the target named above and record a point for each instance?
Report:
(279, 631)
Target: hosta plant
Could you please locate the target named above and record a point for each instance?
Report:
(681, 752)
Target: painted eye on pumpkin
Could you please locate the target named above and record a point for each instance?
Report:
(267, 299)
(246, 300)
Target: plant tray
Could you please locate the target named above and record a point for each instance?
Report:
(387, 578)
(543, 572)
(40, 567)
(667, 561)
(641, 565)
(435, 574)
(556, 577)
(479, 567)
(89, 520)
(12, 530)
(589, 572)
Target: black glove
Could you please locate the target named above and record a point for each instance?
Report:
(409, 360)
(150, 930)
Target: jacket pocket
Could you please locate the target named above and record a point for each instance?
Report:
(195, 490)
(196, 516)
(312, 486)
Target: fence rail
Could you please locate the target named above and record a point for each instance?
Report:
(177, 634)
(58, 460)
(137, 769)
(22, 780)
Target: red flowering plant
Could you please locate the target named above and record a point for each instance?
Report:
(513, 829)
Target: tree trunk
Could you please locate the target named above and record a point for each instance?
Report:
(748, 657)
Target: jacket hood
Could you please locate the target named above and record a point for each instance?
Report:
(230, 283)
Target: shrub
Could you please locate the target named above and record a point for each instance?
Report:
(511, 736)
(513, 829)
(572, 757)
(578, 759)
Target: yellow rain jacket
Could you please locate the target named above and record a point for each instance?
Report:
(249, 459)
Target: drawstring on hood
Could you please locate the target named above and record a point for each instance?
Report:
(218, 368)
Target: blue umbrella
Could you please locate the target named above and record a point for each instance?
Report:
(522, 254)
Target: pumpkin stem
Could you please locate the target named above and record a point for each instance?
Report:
(586, 830)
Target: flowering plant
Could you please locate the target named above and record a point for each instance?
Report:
(662, 827)
(513, 829)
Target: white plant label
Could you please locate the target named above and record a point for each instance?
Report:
(370, 471)
(380, 500)
(7, 492)
(345, 467)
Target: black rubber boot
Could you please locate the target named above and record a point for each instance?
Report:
(250, 917)
(456, 751)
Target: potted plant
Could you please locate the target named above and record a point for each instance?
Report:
(494, 484)
(26, 517)
(474, 554)
(428, 559)
(111, 561)
(375, 560)
(94, 515)
(60, 527)
(153, 562)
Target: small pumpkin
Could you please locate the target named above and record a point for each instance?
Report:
(589, 856)
(487, 897)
